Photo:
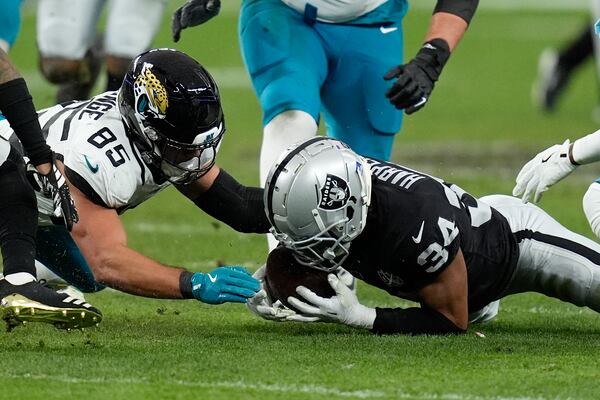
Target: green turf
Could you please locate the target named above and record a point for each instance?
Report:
(478, 129)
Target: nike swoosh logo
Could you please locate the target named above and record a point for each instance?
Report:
(546, 159)
(385, 30)
(213, 279)
(92, 168)
(417, 239)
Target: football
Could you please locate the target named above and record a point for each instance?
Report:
(284, 273)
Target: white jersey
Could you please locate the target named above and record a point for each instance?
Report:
(100, 158)
(336, 11)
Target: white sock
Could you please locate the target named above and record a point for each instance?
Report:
(281, 132)
(45, 274)
(19, 278)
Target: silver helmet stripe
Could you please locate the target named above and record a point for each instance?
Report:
(280, 168)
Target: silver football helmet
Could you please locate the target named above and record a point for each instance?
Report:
(316, 197)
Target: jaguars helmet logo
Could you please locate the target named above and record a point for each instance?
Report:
(334, 193)
(150, 94)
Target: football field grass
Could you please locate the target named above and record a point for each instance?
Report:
(477, 131)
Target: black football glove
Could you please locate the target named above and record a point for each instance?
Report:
(416, 79)
(54, 186)
(192, 13)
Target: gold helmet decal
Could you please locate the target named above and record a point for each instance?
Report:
(150, 94)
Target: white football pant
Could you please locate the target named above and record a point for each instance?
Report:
(67, 28)
(553, 260)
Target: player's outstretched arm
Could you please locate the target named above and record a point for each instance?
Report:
(415, 80)
(219, 195)
(103, 241)
(192, 13)
(554, 164)
(443, 309)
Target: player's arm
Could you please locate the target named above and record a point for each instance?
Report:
(17, 107)
(444, 308)
(554, 164)
(416, 79)
(224, 198)
(103, 241)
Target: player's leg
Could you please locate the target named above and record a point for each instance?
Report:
(57, 252)
(66, 33)
(10, 22)
(22, 298)
(355, 107)
(555, 68)
(287, 65)
(552, 260)
(130, 29)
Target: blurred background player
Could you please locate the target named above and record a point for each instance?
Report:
(71, 48)
(339, 57)
(22, 297)
(556, 66)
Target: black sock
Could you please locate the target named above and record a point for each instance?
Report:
(113, 82)
(577, 51)
(18, 217)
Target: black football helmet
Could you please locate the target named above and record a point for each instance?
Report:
(171, 104)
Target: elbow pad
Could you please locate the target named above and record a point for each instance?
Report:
(240, 207)
(464, 9)
(413, 321)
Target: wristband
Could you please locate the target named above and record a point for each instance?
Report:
(433, 56)
(185, 284)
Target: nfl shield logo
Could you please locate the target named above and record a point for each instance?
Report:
(334, 193)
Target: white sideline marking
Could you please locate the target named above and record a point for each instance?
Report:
(279, 388)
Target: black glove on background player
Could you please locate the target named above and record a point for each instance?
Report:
(416, 79)
(192, 13)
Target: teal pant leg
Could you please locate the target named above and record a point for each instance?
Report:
(284, 57)
(355, 107)
(10, 20)
(59, 253)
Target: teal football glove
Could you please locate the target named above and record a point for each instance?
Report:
(224, 284)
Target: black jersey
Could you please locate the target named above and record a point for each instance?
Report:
(415, 227)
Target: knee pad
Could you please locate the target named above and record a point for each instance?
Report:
(591, 207)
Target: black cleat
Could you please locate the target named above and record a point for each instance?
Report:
(33, 302)
(551, 80)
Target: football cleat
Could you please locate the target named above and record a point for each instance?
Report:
(551, 80)
(32, 302)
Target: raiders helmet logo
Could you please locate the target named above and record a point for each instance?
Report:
(334, 193)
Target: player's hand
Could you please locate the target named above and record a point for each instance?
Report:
(192, 13)
(263, 306)
(343, 308)
(224, 284)
(416, 79)
(53, 185)
(543, 171)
